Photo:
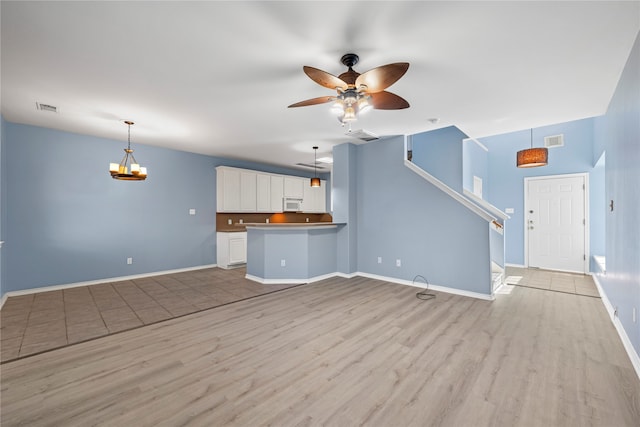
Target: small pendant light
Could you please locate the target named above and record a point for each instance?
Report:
(315, 181)
(532, 157)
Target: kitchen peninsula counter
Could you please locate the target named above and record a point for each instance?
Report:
(291, 252)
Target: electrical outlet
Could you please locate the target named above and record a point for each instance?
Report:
(192, 211)
(283, 263)
(379, 260)
(241, 221)
(307, 219)
(267, 220)
(398, 263)
(229, 221)
(129, 260)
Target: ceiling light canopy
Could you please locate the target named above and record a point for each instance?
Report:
(532, 157)
(128, 169)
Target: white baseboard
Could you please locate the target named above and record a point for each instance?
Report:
(289, 281)
(100, 281)
(626, 342)
(431, 287)
(376, 277)
(508, 264)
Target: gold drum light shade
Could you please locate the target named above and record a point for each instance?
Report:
(532, 157)
(315, 182)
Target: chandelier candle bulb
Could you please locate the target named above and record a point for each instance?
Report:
(114, 168)
(135, 168)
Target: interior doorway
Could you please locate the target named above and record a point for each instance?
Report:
(556, 222)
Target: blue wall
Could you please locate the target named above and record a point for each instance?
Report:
(439, 152)
(506, 181)
(3, 194)
(619, 138)
(65, 220)
(402, 216)
(475, 162)
(345, 207)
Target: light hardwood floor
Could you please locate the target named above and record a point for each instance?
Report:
(342, 352)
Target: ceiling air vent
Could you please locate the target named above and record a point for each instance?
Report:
(362, 135)
(46, 107)
(554, 141)
(307, 165)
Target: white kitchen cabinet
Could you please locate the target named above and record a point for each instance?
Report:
(263, 192)
(315, 198)
(247, 191)
(231, 248)
(244, 190)
(277, 193)
(294, 187)
(228, 189)
(235, 190)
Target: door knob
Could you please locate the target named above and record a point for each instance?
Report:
(531, 211)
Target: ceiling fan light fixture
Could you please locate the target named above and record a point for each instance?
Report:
(338, 107)
(349, 114)
(363, 104)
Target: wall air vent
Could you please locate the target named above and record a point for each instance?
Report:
(307, 165)
(554, 141)
(46, 107)
(362, 135)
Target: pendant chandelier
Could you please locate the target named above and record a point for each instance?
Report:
(532, 157)
(128, 169)
(315, 181)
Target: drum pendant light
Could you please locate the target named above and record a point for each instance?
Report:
(532, 157)
(315, 181)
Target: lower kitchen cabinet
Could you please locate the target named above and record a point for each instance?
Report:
(231, 248)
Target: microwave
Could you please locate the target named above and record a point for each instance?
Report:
(291, 205)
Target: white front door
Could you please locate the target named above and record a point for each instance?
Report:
(555, 223)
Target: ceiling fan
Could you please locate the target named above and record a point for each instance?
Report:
(358, 92)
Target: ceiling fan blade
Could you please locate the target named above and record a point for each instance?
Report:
(388, 101)
(380, 78)
(313, 101)
(324, 79)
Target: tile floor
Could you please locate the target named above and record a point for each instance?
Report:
(43, 321)
(579, 284)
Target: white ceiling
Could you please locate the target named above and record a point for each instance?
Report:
(216, 77)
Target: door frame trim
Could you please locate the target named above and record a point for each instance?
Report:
(585, 176)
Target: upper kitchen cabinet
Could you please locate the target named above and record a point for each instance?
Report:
(294, 187)
(236, 190)
(277, 193)
(269, 192)
(244, 190)
(314, 198)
